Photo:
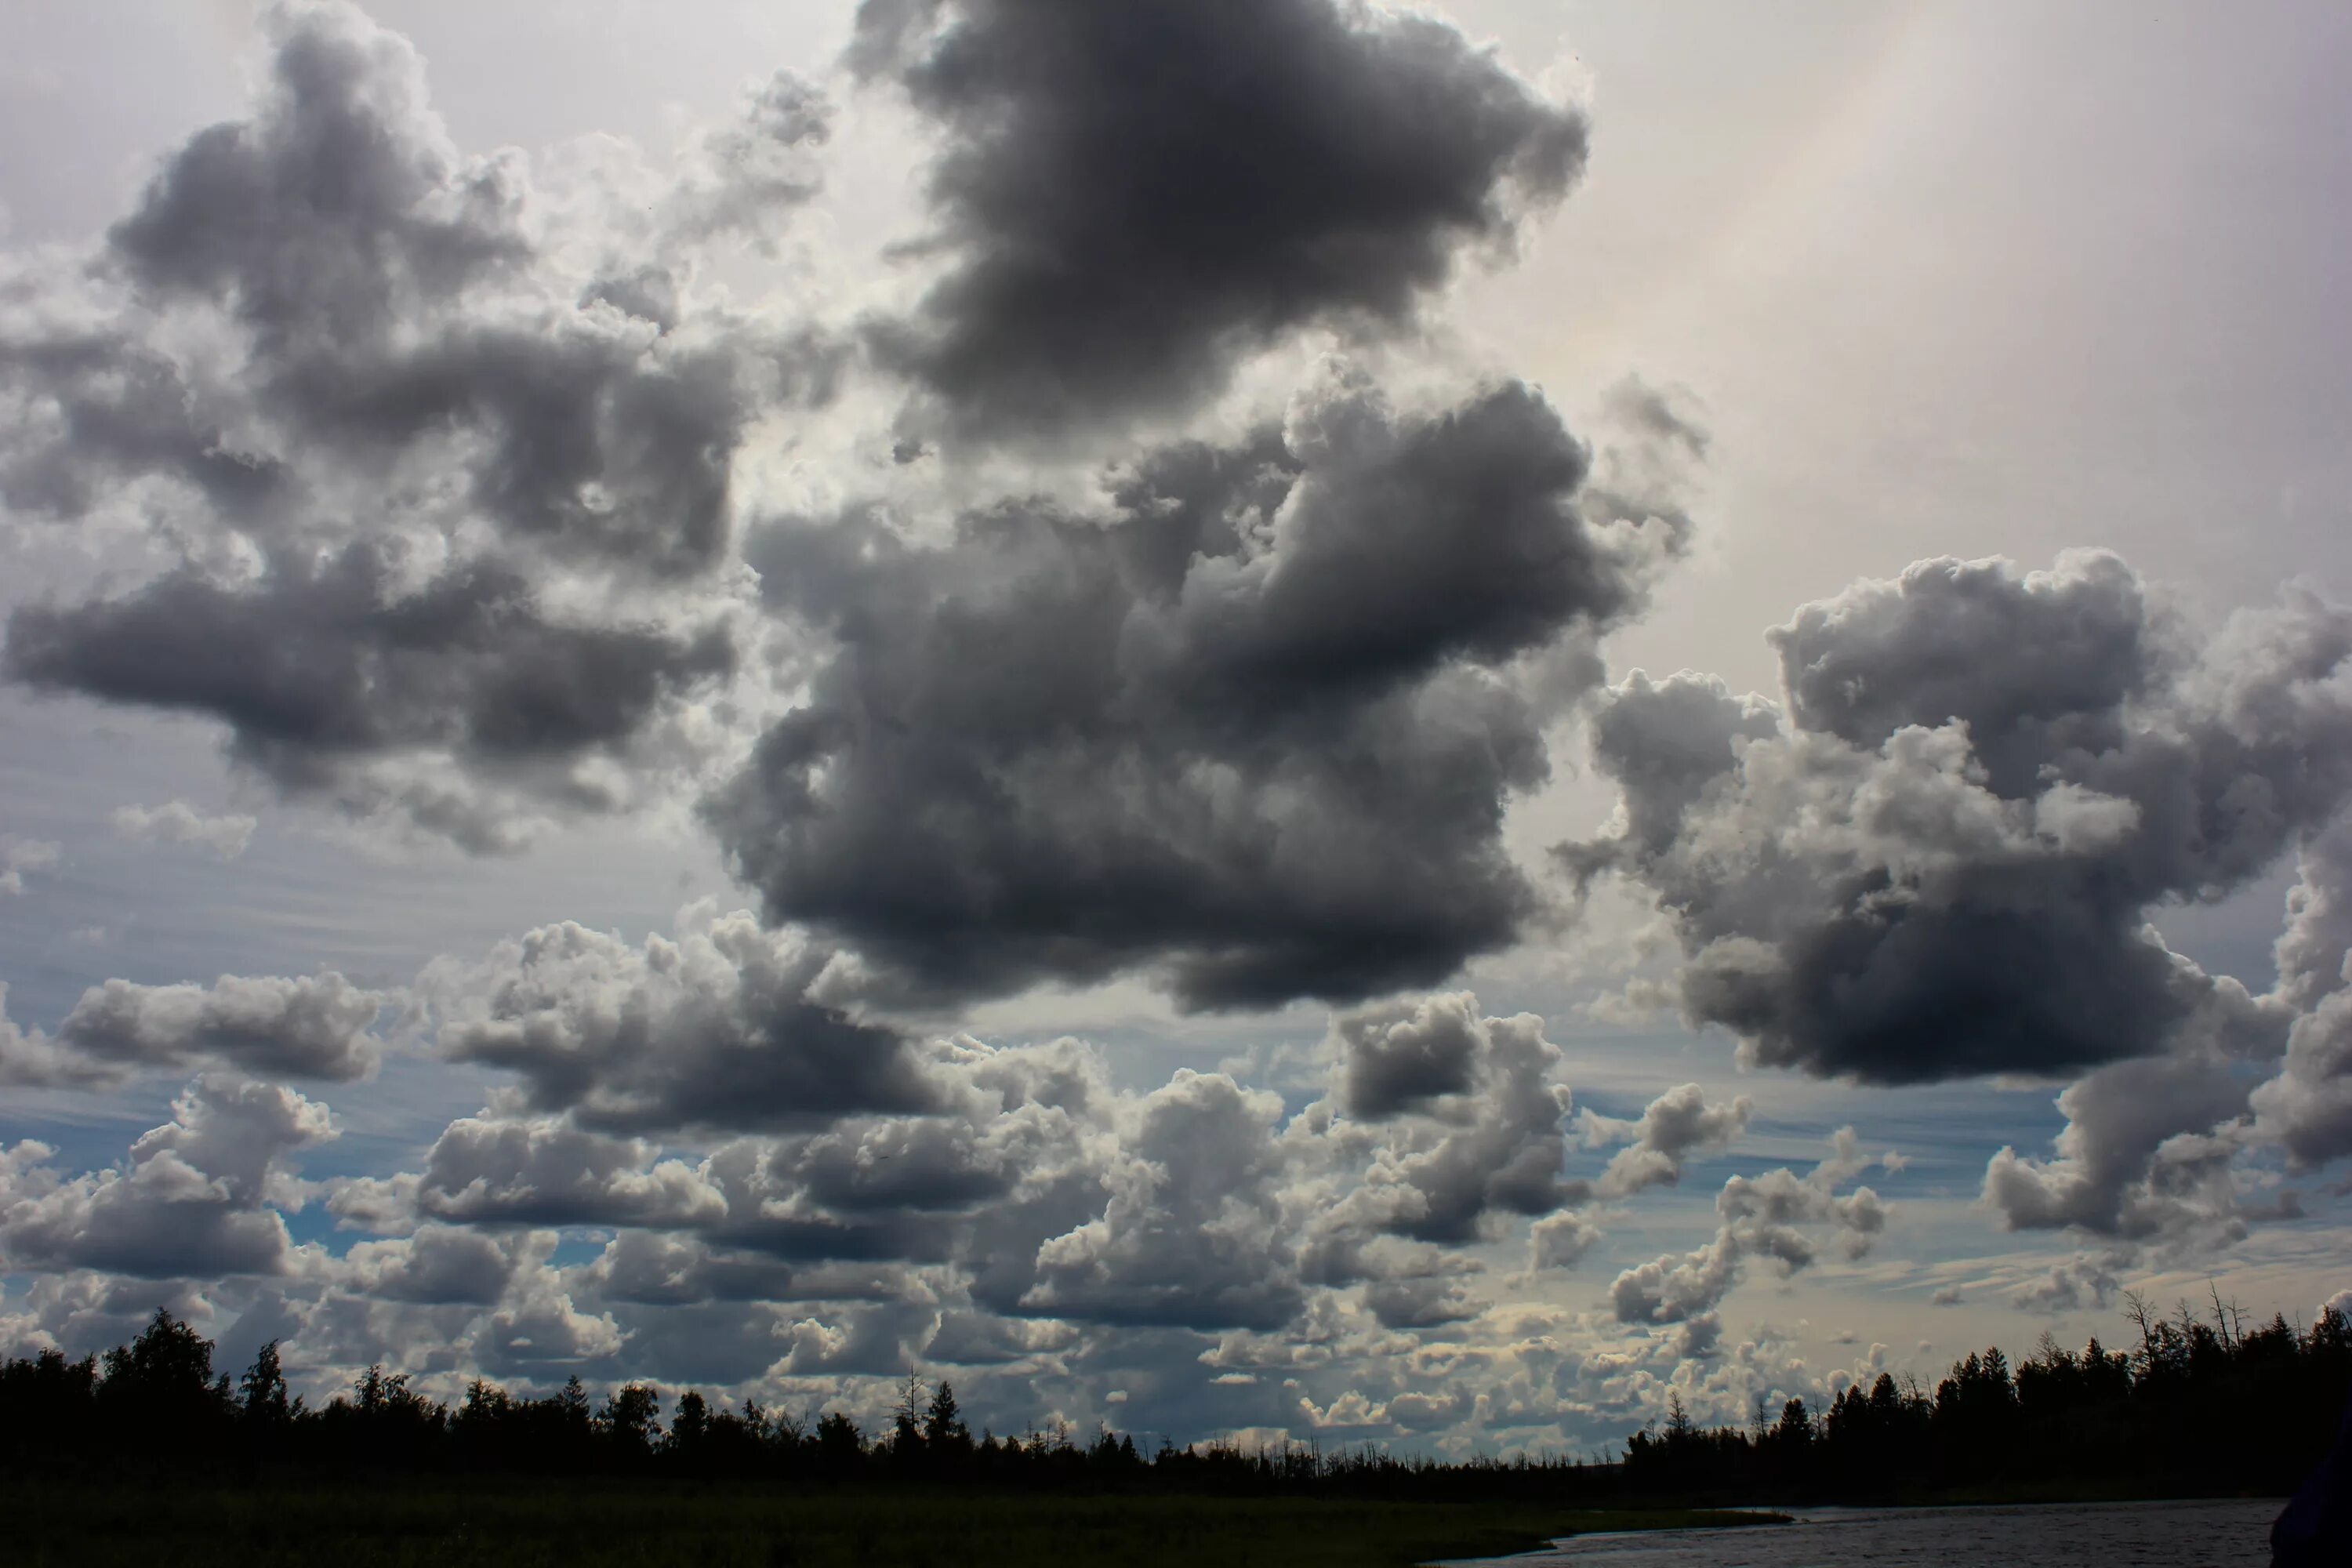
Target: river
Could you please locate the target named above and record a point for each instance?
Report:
(2071, 1535)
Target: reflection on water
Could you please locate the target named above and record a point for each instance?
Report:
(2111, 1535)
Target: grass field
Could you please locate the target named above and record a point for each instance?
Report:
(571, 1525)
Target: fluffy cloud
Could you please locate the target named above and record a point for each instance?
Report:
(516, 1171)
(1253, 732)
(1678, 1126)
(322, 666)
(1199, 1204)
(2157, 1150)
(316, 1027)
(19, 855)
(176, 822)
(1134, 197)
(1494, 1145)
(718, 1028)
(2307, 1108)
(1942, 862)
(198, 1196)
(426, 468)
(2136, 1159)
(437, 1266)
(1193, 1220)
(1771, 1216)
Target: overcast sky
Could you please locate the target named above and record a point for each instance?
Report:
(1392, 724)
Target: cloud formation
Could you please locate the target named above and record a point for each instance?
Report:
(1133, 197)
(1942, 860)
(2306, 1108)
(19, 855)
(431, 460)
(716, 1029)
(201, 1195)
(176, 822)
(313, 1027)
(1198, 1205)
(1769, 1216)
(1253, 732)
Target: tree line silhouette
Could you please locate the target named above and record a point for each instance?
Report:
(2192, 1406)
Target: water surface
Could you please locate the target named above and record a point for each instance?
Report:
(2068, 1535)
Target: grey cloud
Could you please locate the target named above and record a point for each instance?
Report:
(1191, 1232)
(1942, 865)
(2306, 1108)
(2151, 1147)
(1678, 1126)
(755, 168)
(1675, 1289)
(1558, 1241)
(1495, 1152)
(642, 1266)
(438, 1265)
(715, 1029)
(2136, 1159)
(397, 302)
(1048, 1193)
(2036, 665)
(320, 665)
(1406, 1055)
(544, 1332)
(1134, 197)
(338, 209)
(315, 1026)
(19, 855)
(1426, 1301)
(1774, 1216)
(977, 1339)
(2072, 1285)
(510, 1170)
(177, 822)
(1253, 732)
(198, 1196)
(93, 410)
(427, 398)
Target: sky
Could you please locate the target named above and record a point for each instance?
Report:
(1382, 724)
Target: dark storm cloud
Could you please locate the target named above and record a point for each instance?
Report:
(1135, 195)
(94, 409)
(337, 659)
(1945, 862)
(325, 339)
(396, 305)
(1254, 731)
(338, 210)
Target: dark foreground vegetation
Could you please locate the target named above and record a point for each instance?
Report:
(149, 1455)
(654, 1523)
(2196, 1405)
